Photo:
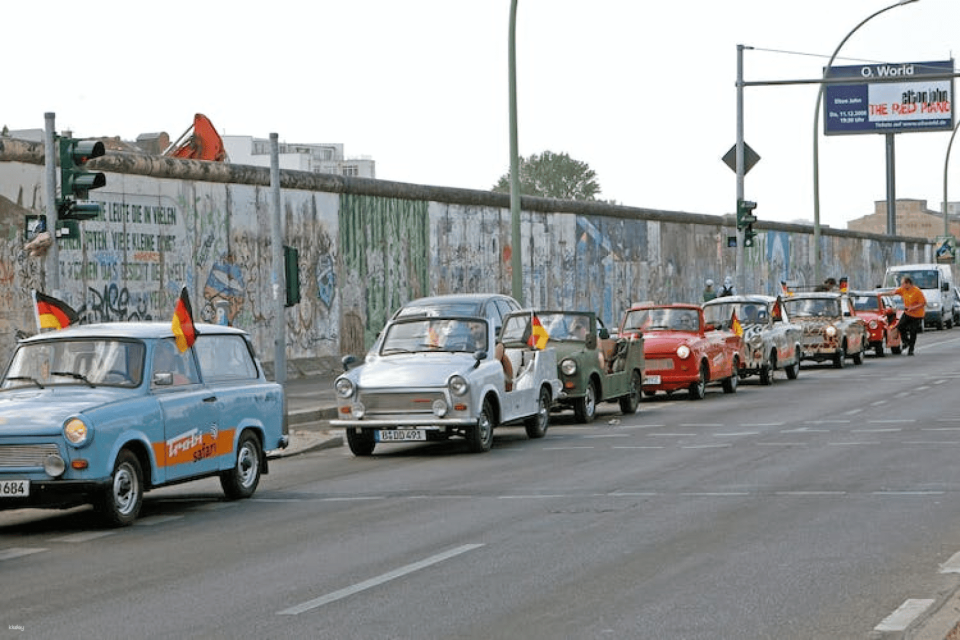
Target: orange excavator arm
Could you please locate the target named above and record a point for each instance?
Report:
(199, 142)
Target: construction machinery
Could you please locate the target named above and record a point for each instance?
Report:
(199, 142)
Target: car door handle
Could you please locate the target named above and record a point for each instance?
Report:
(210, 399)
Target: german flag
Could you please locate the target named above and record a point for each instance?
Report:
(735, 325)
(538, 335)
(776, 312)
(843, 285)
(183, 327)
(53, 313)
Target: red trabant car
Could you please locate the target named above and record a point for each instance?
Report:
(681, 351)
(880, 313)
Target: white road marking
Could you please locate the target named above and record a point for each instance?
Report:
(352, 498)
(781, 444)
(636, 447)
(736, 434)
(706, 446)
(18, 552)
(763, 424)
(715, 494)
(952, 565)
(83, 536)
(377, 581)
(609, 435)
(906, 613)
(811, 493)
(671, 435)
(892, 421)
(892, 430)
(909, 493)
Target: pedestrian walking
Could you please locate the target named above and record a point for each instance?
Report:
(709, 293)
(728, 288)
(914, 307)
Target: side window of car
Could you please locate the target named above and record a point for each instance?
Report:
(168, 359)
(224, 358)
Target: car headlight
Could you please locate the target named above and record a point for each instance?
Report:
(76, 432)
(54, 466)
(357, 410)
(830, 330)
(344, 387)
(568, 367)
(683, 352)
(439, 408)
(874, 324)
(458, 385)
(934, 305)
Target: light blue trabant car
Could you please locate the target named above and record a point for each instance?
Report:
(102, 413)
(436, 377)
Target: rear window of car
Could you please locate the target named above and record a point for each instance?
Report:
(451, 308)
(224, 358)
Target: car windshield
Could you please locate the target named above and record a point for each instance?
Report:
(84, 362)
(662, 319)
(565, 327)
(447, 308)
(866, 303)
(719, 315)
(416, 335)
(812, 307)
(922, 278)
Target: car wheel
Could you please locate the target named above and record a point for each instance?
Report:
(840, 359)
(794, 369)
(878, 349)
(242, 480)
(361, 442)
(698, 389)
(480, 437)
(730, 384)
(536, 425)
(766, 371)
(858, 356)
(630, 402)
(896, 350)
(120, 503)
(585, 408)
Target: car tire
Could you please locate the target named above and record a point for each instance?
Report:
(840, 359)
(698, 389)
(585, 408)
(120, 503)
(878, 349)
(242, 480)
(730, 384)
(537, 424)
(793, 370)
(630, 402)
(361, 442)
(480, 436)
(766, 371)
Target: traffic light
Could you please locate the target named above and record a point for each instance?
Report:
(291, 272)
(75, 181)
(745, 220)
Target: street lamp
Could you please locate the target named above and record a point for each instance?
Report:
(516, 264)
(946, 162)
(816, 142)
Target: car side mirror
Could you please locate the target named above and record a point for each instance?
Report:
(709, 327)
(603, 333)
(479, 356)
(944, 287)
(348, 361)
(163, 378)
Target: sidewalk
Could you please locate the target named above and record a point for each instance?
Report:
(311, 403)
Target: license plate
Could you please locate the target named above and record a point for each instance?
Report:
(402, 435)
(14, 488)
(651, 380)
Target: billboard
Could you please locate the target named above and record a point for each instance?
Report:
(904, 102)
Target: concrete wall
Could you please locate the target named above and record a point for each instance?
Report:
(367, 246)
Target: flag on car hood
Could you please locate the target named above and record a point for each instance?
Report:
(183, 328)
(53, 313)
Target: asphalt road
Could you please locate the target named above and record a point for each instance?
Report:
(812, 509)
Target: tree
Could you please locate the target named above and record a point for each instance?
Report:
(553, 175)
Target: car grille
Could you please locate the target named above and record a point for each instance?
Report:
(658, 364)
(25, 455)
(400, 402)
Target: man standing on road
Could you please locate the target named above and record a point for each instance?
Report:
(914, 307)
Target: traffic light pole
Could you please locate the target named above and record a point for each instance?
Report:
(741, 276)
(52, 283)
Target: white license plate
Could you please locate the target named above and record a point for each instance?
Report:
(14, 488)
(651, 380)
(402, 435)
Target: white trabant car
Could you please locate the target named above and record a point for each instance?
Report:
(102, 413)
(436, 377)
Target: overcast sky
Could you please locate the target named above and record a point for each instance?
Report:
(642, 91)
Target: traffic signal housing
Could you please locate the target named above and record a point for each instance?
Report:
(745, 220)
(291, 272)
(75, 181)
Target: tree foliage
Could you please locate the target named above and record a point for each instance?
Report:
(553, 175)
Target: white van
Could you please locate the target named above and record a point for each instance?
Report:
(936, 282)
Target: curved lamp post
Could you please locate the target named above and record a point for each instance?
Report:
(946, 163)
(816, 141)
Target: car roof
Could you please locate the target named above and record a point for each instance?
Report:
(751, 297)
(139, 330)
(477, 299)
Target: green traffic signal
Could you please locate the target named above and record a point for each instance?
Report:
(745, 215)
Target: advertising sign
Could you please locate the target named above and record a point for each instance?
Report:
(907, 103)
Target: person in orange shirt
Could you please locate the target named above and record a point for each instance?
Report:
(914, 304)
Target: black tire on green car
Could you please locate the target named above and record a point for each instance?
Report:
(585, 407)
(630, 402)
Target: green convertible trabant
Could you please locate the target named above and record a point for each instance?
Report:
(592, 366)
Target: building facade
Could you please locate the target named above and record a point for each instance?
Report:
(914, 219)
(313, 158)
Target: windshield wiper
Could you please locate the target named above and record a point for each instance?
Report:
(30, 378)
(75, 376)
